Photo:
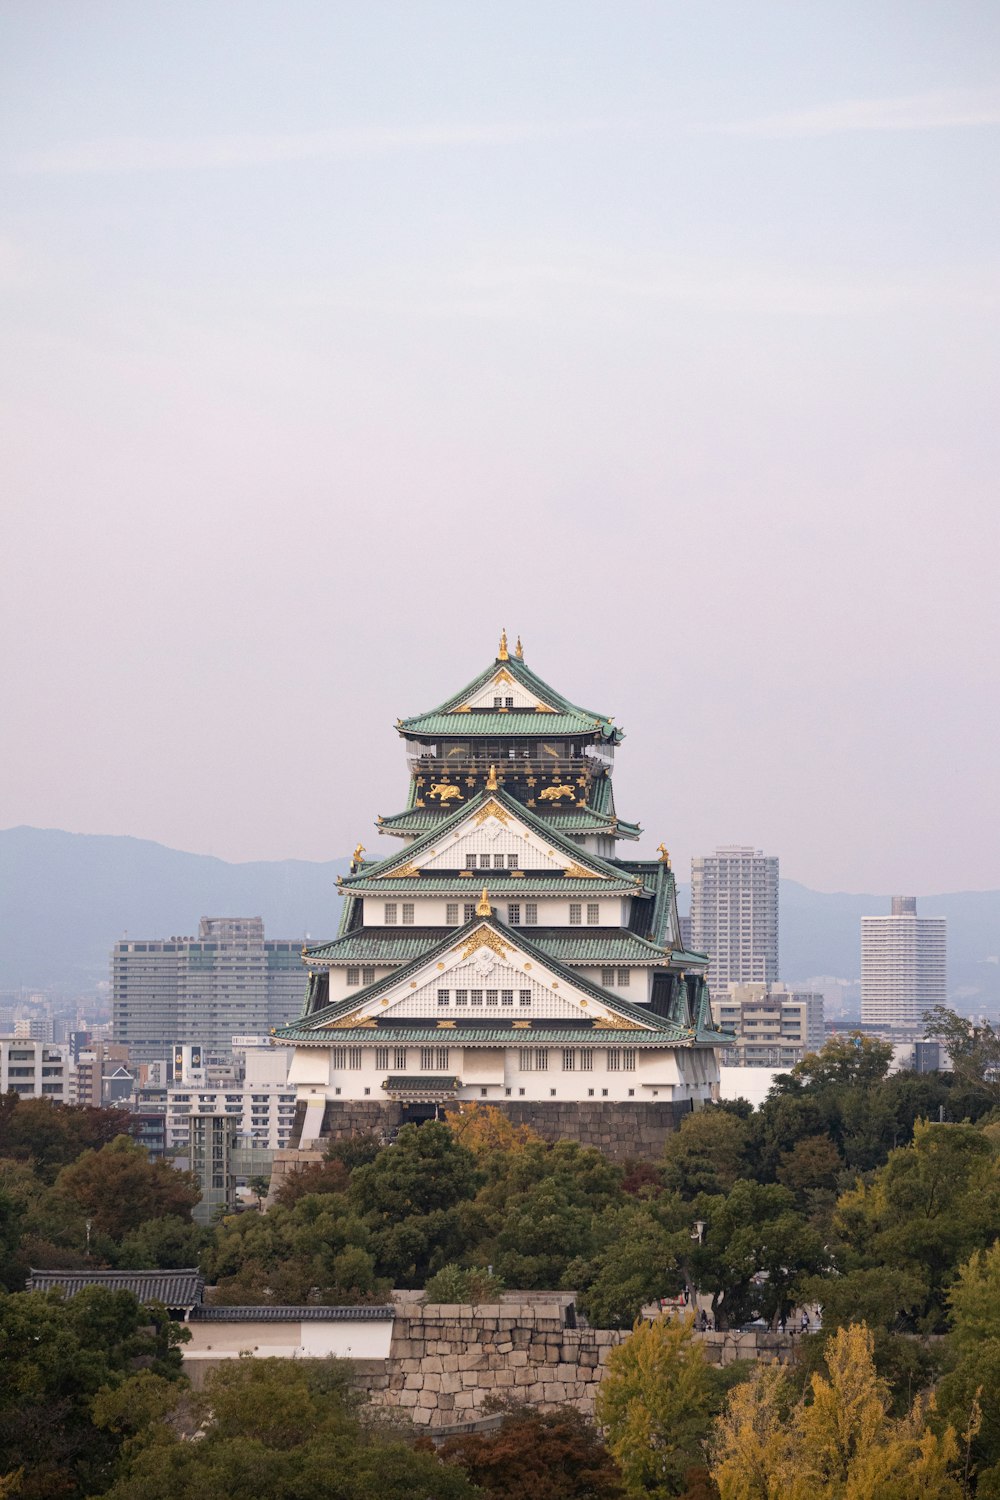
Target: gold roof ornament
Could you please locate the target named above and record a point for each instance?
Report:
(503, 654)
(519, 650)
(356, 856)
(664, 855)
(492, 785)
(484, 909)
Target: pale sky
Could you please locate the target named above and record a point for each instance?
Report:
(338, 336)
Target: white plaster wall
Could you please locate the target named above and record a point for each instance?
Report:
(553, 911)
(306, 1339)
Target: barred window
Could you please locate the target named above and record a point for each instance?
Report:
(390, 913)
(399, 1059)
(525, 997)
(407, 913)
(492, 997)
(569, 1059)
(593, 913)
(614, 1059)
(353, 977)
(340, 1057)
(508, 703)
(623, 978)
(444, 997)
(441, 1058)
(506, 997)
(497, 702)
(381, 1057)
(531, 913)
(427, 1059)
(451, 913)
(542, 1059)
(354, 1057)
(628, 1059)
(498, 861)
(461, 997)
(586, 1059)
(512, 861)
(470, 911)
(368, 974)
(476, 997)
(607, 978)
(514, 913)
(526, 1059)
(575, 914)
(470, 861)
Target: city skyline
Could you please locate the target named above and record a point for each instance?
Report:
(317, 317)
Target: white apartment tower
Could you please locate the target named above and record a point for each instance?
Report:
(903, 965)
(734, 916)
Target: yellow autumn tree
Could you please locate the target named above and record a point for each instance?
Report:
(654, 1404)
(482, 1128)
(837, 1443)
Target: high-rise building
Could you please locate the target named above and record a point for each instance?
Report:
(507, 953)
(34, 1069)
(734, 915)
(227, 980)
(771, 1026)
(903, 965)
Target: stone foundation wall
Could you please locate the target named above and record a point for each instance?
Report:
(622, 1129)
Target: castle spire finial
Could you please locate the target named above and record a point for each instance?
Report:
(664, 855)
(503, 654)
(492, 784)
(484, 909)
(519, 650)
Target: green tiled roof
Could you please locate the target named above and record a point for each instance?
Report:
(571, 945)
(665, 1035)
(580, 820)
(372, 869)
(431, 1083)
(569, 718)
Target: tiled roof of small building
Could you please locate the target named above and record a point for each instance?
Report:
(172, 1288)
(286, 1314)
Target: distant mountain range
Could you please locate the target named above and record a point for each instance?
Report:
(66, 897)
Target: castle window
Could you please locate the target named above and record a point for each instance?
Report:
(525, 996)
(381, 1057)
(390, 913)
(498, 703)
(399, 1059)
(451, 914)
(575, 914)
(628, 1059)
(526, 1059)
(426, 1059)
(508, 703)
(614, 1059)
(607, 978)
(492, 997)
(512, 861)
(368, 975)
(441, 1057)
(476, 997)
(470, 861)
(623, 979)
(531, 913)
(506, 997)
(354, 1057)
(586, 1059)
(593, 913)
(461, 997)
(498, 861)
(340, 1057)
(353, 977)
(407, 913)
(444, 997)
(542, 1060)
(470, 911)
(569, 1059)
(514, 914)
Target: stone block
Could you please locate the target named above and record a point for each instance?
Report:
(555, 1390)
(422, 1415)
(432, 1382)
(501, 1378)
(517, 1359)
(407, 1398)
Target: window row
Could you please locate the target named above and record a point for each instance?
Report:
(392, 913)
(615, 978)
(365, 975)
(494, 862)
(477, 997)
(529, 1059)
(576, 913)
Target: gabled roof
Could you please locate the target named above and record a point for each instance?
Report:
(635, 1019)
(570, 945)
(582, 820)
(172, 1288)
(380, 870)
(566, 718)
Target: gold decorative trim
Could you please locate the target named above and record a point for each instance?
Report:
(519, 650)
(577, 872)
(492, 785)
(483, 937)
(502, 653)
(503, 676)
(483, 907)
(543, 708)
(402, 872)
(491, 809)
(616, 1023)
(516, 874)
(522, 1025)
(446, 1026)
(356, 1021)
(462, 709)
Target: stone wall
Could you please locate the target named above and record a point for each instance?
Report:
(620, 1128)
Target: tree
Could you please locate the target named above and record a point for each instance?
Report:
(259, 1186)
(854, 1061)
(482, 1128)
(974, 1049)
(330, 1176)
(837, 1441)
(119, 1188)
(707, 1154)
(655, 1405)
(554, 1455)
(455, 1283)
(52, 1135)
(640, 1261)
(426, 1170)
(166, 1244)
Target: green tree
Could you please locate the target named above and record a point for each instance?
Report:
(119, 1188)
(754, 1253)
(655, 1406)
(52, 1135)
(165, 1244)
(974, 1048)
(707, 1154)
(554, 1455)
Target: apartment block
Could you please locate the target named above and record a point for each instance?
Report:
(34, 1069)
(771, 1026)
(734, 916)
(904, 960)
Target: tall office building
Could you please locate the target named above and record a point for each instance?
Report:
(903, 965)
(226, 981)
(734, 916)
